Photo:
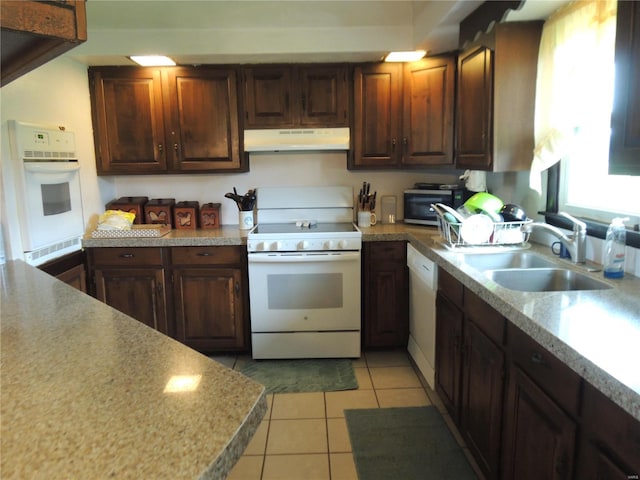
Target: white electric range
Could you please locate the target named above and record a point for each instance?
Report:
(304, 274)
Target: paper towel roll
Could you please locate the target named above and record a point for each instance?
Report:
(475, 180)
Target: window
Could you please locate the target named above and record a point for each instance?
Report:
(573, 112)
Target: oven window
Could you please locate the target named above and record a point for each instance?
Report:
(56, 198)
(297, 291)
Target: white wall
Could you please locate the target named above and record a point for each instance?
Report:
(54, 94)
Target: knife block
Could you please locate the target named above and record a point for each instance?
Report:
(133, 205)
(160, 211)
(210, 215)
(185, 215)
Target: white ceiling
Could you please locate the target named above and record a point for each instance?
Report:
(265, 31)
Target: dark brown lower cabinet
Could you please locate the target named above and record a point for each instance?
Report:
(209, 295)
(132, 280)
(385, 293)
(138, 292)
(539, 438)
(197, 295)
(470, 364)
(448, 354)
(482, 393)
(70, 269)
(610, 442)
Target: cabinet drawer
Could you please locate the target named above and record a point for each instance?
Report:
(553, 376)
(225, 255)
(451, 287)
(387, 250)
(119, 256)
(484, 316)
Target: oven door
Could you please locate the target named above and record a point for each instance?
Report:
(53, 205)
(304, 292)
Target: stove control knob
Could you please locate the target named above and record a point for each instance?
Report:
(342, 244)
(303, 245)
(274, 246)
(330, 245)
(260, 246)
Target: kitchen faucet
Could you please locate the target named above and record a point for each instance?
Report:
(576, 243)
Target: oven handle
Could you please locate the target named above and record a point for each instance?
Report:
(303, 257)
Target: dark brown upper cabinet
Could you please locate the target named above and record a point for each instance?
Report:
(170, 120)
(403, 114)
(624, 152)
(35, 32)
(289, 96)
(496, 98)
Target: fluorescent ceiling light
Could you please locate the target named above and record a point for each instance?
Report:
(152, 60)
(411, 56)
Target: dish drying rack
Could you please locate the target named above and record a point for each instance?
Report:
(508, 234)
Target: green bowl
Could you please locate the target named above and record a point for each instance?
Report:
(483, 202)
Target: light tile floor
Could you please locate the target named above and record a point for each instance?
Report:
(304, 435)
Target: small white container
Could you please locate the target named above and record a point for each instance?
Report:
(245, 219)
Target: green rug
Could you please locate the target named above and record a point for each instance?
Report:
(308, 375)
(407, 443)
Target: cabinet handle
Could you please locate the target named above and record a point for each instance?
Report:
(175, 147)
(160, 147)
(393, 143)
(537, 359)
(405, 141)
(203, 254)
(159, 289)
(237, 288)
(127, 255)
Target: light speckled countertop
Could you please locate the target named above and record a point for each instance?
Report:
(83, 392)
(596, 333)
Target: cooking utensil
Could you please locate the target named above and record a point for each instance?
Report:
(513, 213)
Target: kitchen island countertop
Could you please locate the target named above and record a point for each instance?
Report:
(87, 392)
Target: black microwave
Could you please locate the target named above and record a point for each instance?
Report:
(417, 203)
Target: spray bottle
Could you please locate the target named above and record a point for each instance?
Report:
(614, 246)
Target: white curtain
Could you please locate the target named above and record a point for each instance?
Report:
(575, 40)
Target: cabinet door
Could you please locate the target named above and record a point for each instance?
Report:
(474, 109)
(610, 440)
(76, 277)
(448, 354)
(386, 296)
(128, 120)
(209, 308)
(539, 438)
(377, 116)
(268, 97)
(482, 394)
(138, 292)
(203, 119)
(428, 112)
(624, 155)
(323, 97)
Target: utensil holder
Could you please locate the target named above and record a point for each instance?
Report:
(245, 219)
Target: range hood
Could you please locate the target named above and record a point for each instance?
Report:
(296, 139)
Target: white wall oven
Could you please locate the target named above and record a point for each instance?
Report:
(304, 274)
(45, 173)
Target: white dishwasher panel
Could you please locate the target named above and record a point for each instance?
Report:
(423, 284)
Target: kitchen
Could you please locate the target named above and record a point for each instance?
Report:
(31, 98)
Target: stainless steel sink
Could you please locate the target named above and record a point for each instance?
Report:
(499, 261)
(544, 280)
